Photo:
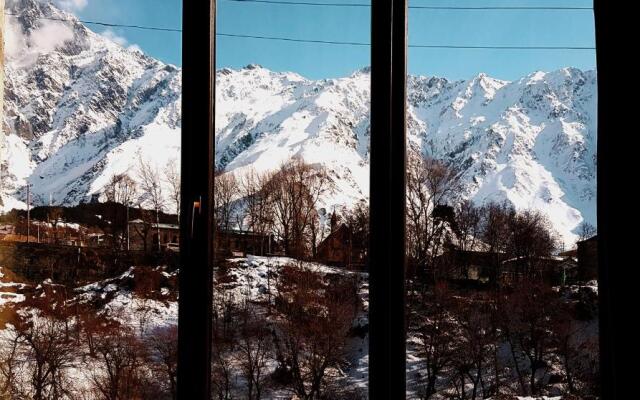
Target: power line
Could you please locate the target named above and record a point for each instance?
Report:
(286, 39)
(107, 24)
(466, 8)
(421, 46)
(428, 46)
(317, 41)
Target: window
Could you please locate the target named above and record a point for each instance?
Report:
(100, 166)
(89, 196)
(502, 296)
(291, 189)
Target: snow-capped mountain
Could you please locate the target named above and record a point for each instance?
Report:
(79, 107)
(531, 142)
(83, 108)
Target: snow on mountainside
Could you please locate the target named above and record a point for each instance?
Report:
(531, 142)
(81, 109)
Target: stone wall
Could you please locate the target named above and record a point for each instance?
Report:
(70, 265)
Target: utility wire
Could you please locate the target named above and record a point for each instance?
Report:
(107, 24)
(313, 41)
(467, 8)
(421, 46)
(285, 39)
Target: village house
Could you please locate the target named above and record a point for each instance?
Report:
(588, 259)
(473, 265)
(239, 243)
(342, 248)
(555, 270)
(148, 236)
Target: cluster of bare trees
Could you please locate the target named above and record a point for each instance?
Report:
(433, 225)
(57, 347)
(47, 357)
(430, 183)
(290, 348)
(283, 202)
(147, 191)
(518, 342)
(243, 350)
(518, 336)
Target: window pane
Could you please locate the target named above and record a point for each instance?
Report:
(501, 208)
(291, 194)
(89, 192)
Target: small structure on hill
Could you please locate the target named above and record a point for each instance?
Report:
(342, 248)
(588, 259)
(235, 242)
(148, 236)
(469, 265)
(555, 270)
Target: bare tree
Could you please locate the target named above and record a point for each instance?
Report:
(10, 364)
(296, 189)
(476, 344)
(222, 372)
(151, 186)
(531, 242)
(121, 190)
(226, 191)
(172, 178)
(438, 332)
(528, 317)
(495, 235)
(586, 231)
(162, 347)
(430, 183)
(257, 207)
(254, 352)
(144, 228)
(119, 371)
(311, 337)
(467, 226)
(48, 355)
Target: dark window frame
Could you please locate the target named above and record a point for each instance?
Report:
(388, 156)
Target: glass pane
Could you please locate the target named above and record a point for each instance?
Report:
(501, 209)
(89, 193)
(291, 194)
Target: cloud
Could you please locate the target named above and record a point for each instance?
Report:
(71, 5)
(135, 47)
(109, 34)
(26, 48)
(50, 36)
(120, 40)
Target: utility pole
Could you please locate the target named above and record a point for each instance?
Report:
(157, 216)
(28, 212)
(128, 233)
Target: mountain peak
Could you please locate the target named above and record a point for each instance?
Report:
(33, 13)
(253, 66)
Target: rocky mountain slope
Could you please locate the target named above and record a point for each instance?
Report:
(80, 108)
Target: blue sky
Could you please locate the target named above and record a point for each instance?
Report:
(528, 28)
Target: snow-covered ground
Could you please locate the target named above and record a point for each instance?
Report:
(254, 279)
(127, 300)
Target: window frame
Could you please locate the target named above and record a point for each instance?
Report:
(387, 349)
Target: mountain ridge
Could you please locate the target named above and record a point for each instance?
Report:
(82, 109)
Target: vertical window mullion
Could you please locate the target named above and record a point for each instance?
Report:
(196, 272)
(608, 278)
(388, 157)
